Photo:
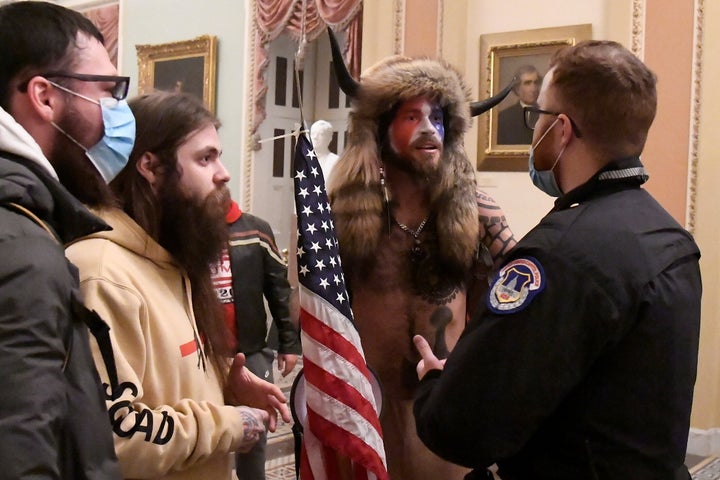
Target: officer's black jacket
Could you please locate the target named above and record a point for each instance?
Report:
(594, 377)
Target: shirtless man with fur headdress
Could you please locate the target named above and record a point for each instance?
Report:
(417, 239)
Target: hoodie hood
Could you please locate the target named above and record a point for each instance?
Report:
(129, 235)
(27, 183)
(16, 140)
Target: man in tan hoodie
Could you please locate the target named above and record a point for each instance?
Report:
(174, 410)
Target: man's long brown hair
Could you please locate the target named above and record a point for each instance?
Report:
(164, 122)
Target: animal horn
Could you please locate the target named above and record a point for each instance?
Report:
(347, 83)
(476, 108)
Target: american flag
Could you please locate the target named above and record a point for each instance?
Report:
(342, 437)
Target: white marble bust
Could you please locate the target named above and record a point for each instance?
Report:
(321, 134)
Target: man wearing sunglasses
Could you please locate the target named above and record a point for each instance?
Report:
(582, 364)
(65, 131)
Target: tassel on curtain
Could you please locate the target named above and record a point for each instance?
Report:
(302, 19)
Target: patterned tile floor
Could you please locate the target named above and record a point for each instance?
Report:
(284, 470)
(707, 469)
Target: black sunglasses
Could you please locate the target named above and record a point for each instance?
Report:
(119, 90)
(531, 115)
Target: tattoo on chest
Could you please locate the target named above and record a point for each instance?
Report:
(429, 281)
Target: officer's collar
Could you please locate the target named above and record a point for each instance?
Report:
(626, 172)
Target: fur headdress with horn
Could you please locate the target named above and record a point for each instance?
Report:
(355, 189)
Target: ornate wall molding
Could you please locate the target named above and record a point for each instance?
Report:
(638, 28)
(638, 44)
(695, 114)
(399, 27)
(250, 137)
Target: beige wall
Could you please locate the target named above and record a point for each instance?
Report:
(670, 56)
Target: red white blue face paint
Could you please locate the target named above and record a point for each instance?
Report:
(417, 131)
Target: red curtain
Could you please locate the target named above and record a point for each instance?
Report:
(106, 19)
(273, 17)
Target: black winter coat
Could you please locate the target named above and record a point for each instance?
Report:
(53, 420)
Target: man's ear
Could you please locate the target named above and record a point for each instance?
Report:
(567, 129)
(42, 99)
(148, 165)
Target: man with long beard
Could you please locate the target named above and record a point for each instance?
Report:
(150, 279)
(417, 239)
(65, 130)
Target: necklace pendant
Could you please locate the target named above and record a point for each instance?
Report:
(416, 252)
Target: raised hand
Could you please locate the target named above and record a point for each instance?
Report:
(429, 361)
(246, 388)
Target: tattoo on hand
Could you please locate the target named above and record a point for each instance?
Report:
(252, 428)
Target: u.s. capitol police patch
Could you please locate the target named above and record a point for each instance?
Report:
(515, 285)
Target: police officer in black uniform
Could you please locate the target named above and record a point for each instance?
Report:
(581, 365)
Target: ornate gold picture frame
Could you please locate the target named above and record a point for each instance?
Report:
(188, 66)
(502, 56)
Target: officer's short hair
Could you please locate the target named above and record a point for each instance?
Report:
(608, 92)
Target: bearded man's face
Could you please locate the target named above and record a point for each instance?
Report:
(416, 134)
(194, 201)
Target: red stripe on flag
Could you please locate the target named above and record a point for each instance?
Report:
(340, 390)
(324, 334)
(347, 444)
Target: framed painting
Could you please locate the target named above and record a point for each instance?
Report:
(187, 66)
(503, 139)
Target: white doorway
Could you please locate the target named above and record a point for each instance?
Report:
(272, 174)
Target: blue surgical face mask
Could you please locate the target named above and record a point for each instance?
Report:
(544, 179)
(112, 152)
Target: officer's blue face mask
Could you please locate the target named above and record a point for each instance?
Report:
(112, 152)
(544, 179)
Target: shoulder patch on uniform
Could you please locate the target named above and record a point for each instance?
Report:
(515, 285)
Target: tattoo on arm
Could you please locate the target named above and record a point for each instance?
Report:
(495, 232)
